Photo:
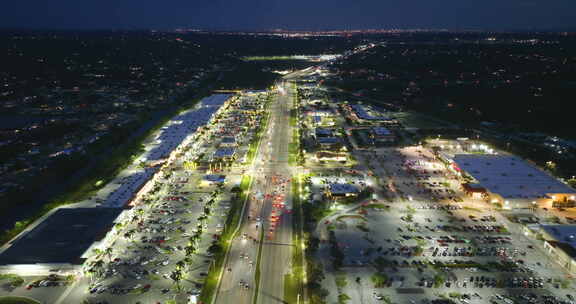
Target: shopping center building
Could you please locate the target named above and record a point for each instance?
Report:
(560, 243)
(510, 181)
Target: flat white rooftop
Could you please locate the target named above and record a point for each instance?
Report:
(185, 124)
(215, 100)
(562, 233)
(380, 131)
(342, 188)
(510, 176)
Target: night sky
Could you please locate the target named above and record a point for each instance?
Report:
(289, 14)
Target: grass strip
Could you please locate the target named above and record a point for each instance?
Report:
(17, 300)
(294, 145)
(257, 271)
(294, 282)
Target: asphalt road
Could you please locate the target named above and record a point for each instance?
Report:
(271, 160)
(277, 250)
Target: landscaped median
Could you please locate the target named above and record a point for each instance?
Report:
(294, 156)
(257, 272)
(11, 280)
(295, 282)
(17, 300)
(293, 149)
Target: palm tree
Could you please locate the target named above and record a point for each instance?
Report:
(188, 260)
(97, 267)
(98, 264)
(89, 272)
(194, 239)
(130, 233)
(180, 265)
(108, 252)
(176, 276)
(98, 252)
(118, 226)
(189, 250)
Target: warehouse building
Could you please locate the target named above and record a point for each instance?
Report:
(511, 181)
(559, 243)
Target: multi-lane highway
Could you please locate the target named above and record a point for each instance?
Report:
(277, 246)
(266, 228)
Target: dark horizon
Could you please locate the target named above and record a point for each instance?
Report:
(276, 30)
(260, 15)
